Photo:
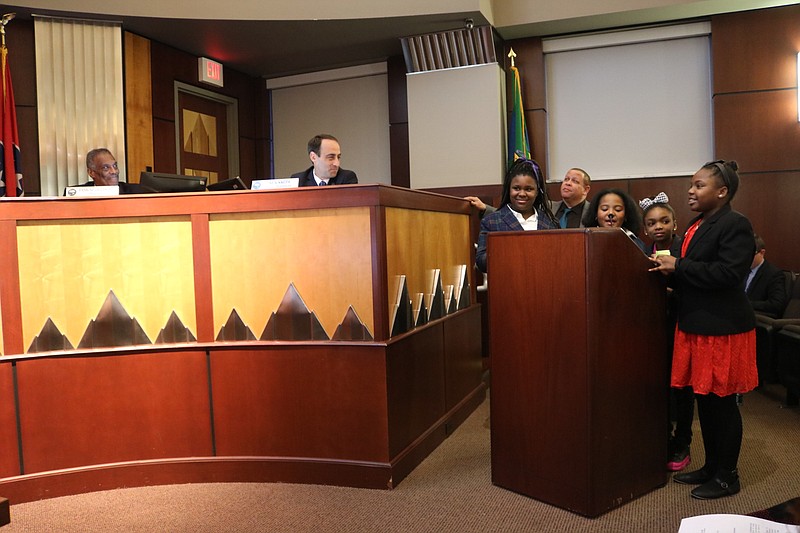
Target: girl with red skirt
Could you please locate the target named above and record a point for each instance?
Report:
(715, 347)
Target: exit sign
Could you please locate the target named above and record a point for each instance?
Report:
(209, 71)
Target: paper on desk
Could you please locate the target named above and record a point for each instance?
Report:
(733, 523)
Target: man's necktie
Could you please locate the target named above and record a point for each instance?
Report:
(562, 222)
(321, 183)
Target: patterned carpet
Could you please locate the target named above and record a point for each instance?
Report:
(450, 491)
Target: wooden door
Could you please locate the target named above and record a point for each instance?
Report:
(203, 128)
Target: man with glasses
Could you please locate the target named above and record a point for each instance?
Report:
(103, 169)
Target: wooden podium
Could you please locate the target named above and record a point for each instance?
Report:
(579, 368)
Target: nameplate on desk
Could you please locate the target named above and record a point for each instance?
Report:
(280, 183)
(97, 190)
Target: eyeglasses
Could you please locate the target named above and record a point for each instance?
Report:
(107, 168)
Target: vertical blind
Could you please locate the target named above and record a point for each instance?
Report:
(80, 97)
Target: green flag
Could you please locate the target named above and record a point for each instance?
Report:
(518, 144)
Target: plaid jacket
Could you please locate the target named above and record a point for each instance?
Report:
(502, 220)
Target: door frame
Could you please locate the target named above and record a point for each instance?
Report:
(232, 108)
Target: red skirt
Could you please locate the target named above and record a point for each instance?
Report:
(719, 364)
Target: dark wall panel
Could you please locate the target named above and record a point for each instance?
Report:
(170, 65)
(756, 50)
(22, 58)
(758, 129)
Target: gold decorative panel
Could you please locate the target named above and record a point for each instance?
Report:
(67, 269)
(419, 242)
(325, 253)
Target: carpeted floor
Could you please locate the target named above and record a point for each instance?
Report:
(450, 491)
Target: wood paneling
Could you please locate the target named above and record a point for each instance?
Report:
(164, 146)
(330, 275)
(95, 410)
(568, 393)
(10, 303)
(400, 164)
(755, 119)
(756, 50)
(138, 106)
(9, 449)
(168, 66)
(22, 59)
(462, 355)
(306, 401)
(415, 396)
(247, 160)
(68, 268)
(769, 201)
(29, 149)
(398, 122)
(398, 90)
(758, 129)
(530, 63)
(418, 242)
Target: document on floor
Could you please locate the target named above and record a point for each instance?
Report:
(733, 523)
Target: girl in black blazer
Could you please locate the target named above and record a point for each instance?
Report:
(714, 349)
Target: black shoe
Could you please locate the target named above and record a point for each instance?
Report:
(696, 477)
(721, 485)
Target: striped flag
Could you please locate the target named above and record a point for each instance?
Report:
(10, 171)
(518, 144)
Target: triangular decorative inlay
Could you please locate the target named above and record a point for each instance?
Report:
(113, 326)
(235, 329)
(435, 299)
(351, 328)
(464, 297)
(293, 321)
(174, 331)
(50, 339)
(420, 312)
(450, 300)
(401, 317)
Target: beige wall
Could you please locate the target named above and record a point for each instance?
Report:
(518, 18)
(261, 9)
(456, 126)
(523, 18)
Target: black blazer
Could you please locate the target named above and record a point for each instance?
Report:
(343, 177)
(709, 279)
(767, 291)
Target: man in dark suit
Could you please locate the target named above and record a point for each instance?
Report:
(325, 154)
(101, 165)
(766, 286)
(573, 205)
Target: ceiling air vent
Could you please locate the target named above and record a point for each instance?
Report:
(449, 49)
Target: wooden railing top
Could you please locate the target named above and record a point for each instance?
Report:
(139, 205)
